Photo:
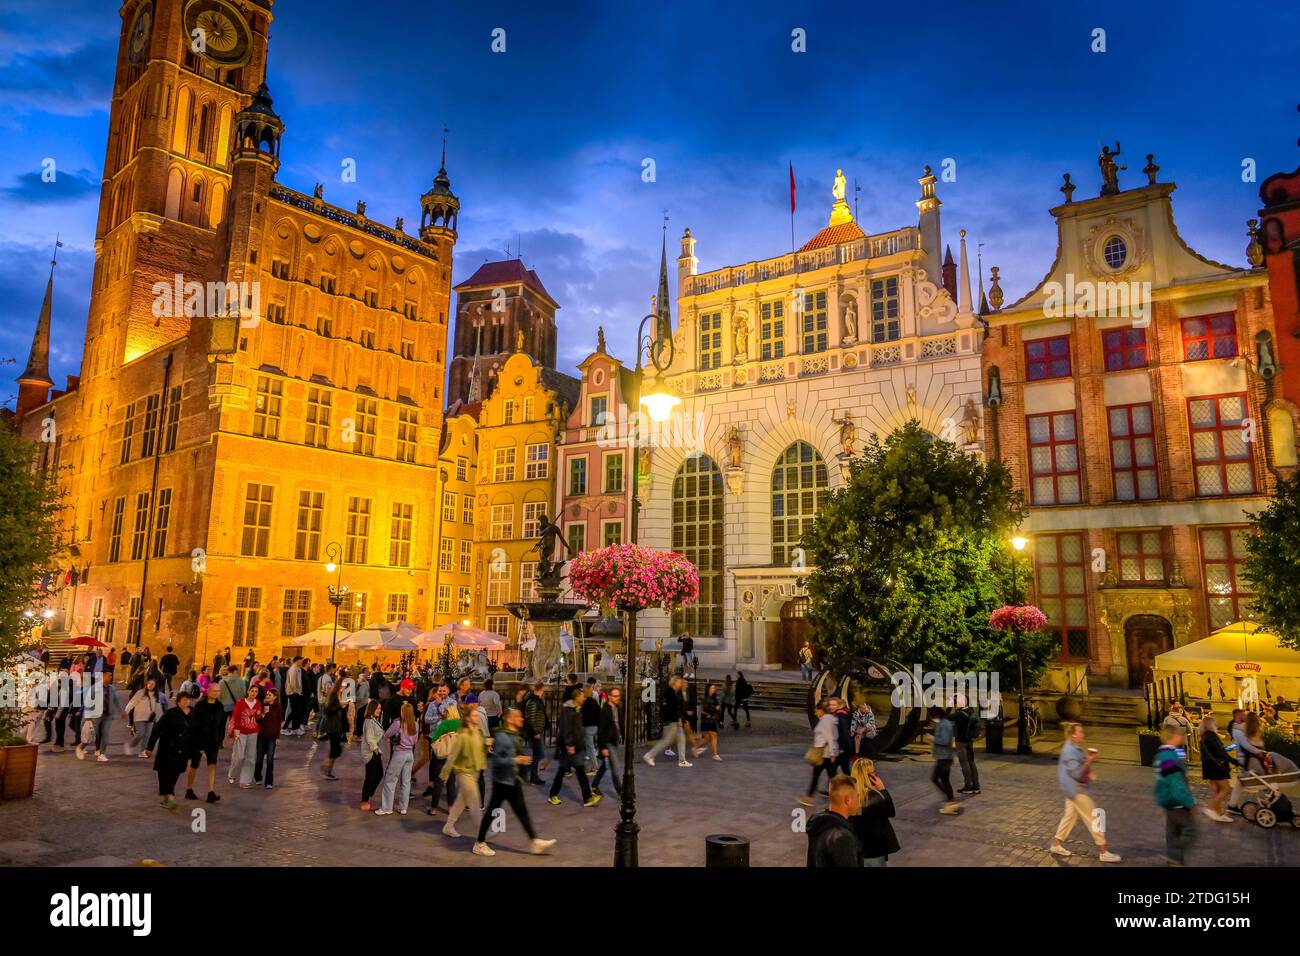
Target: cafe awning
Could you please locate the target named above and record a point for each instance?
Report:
(1240, 649)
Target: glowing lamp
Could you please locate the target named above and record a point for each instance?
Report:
(660, 405)
(1019, 542)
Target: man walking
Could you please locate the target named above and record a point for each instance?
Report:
(806, 661)
(506, 758)
(1074, 773)
(674, 718)
(1173, 794)
(590, 723)
(609, 737)
(570, 742)
(535, 725)
(169, 665)
(207, 729)
(943, 754)
(966, 730)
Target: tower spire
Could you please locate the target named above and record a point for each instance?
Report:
(34, 383)
(664, 310)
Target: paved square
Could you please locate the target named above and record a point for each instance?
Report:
(87, 813)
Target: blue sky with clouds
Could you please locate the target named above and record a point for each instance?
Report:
(547, 139)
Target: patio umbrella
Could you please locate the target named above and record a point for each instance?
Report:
(87, 641)
(381, 637)
(462, 635)
(322, 636)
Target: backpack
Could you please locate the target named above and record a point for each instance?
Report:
(444, 745)
(975, 726)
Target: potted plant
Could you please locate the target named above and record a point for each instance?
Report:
(631, 578)
(1148, 744)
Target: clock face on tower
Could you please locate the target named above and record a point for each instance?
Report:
(138, 43)
(217, 32)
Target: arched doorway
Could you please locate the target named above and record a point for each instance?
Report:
(795, 629)
(1145, 636)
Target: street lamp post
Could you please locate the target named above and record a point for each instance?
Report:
(337, 590)
(1022, 730)
(659, 404)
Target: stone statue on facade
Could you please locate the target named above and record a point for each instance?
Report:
(741, 338)
(851, 320)
(971, 422)
(1109, 170)
(840, 189)
(319, 191)
(735, 448)
(848, 435)
(600, 339)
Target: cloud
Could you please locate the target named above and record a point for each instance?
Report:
(66, 82)
(64, 188)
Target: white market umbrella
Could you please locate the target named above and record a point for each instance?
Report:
(322, 636)
(393, 636)
(462, 635)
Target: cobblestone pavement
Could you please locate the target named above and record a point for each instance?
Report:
(88, 814)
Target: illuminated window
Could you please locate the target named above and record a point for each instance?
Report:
(710, 355)
(408, 424)
(139, 534)
(311, 516)
(813, 322)
(498, 582)
(1132, 452)
(399, 545)
(248, 610)
(1054, 459)
(503, 464)
(800, 485)
(1228, 593)
(533, 513)
(502, 522)
(115, 531)
(1220, 451)
(885, 310)
(357, 540)
(318, 418)
(537, 461)
(771, 330)
(256, 539)
(1061, 571)
(266, 413)
(1141, 557)
(161, 522)
(697, 534)
(366, 425)
(295, 614)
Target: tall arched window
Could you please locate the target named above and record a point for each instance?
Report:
(697, 533)
(799, 487)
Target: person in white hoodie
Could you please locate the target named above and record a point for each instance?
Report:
(826, 737)
(293, 695)
(143, 710)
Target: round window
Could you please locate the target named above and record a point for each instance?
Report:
(1115, 252)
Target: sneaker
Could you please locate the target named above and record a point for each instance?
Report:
(717, 758)
(592, 800)
(56, 749)
(1109, 857)
(554, 801)
(1059, 851)
(685, 763)
(245, 786)
(191, 795)
(950, 809)
(647, 758)
(537, 847)
(102, 758)
(330, 776)
(482, 849)
(381, 812)
(365, 805)
(212, 796)
(402, 812)
(169, 804)
(669, 752)
(81, 752)
(806, 801)
(450, 831)
(596, 791)
(230, 780)
(269, 787)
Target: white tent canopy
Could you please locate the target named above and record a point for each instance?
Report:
(322, 636)
(390, 636)
(1240, 649)
(461, 636)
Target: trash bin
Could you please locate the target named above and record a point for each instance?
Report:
(993, 735)
(725, 850)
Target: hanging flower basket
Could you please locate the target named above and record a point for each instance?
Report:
(631, 578)
(1018, 617)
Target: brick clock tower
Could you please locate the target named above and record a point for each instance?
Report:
(184, 70)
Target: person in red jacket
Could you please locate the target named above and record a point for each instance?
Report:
(243, 729)
(268, 735)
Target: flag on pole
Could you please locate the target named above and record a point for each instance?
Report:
(792, 187)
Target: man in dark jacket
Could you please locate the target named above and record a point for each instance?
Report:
(570, 742)
(609, 737)
(673, 714)
(169, 665)
(534, 728)
(591, 723)
(831, 840)
(966, 728)
(207, 731)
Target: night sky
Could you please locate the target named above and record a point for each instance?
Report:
(547, 140)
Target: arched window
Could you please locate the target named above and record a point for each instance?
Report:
(697, 534)
(174, 184)
(799, 487)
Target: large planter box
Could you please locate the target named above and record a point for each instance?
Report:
(1148, 744)
(17, 771)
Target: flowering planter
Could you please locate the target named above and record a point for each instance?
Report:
(631, 578)
(17, 771)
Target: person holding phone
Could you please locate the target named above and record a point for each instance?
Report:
(1074, 774)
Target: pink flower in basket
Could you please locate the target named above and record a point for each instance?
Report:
(1018, 617)
(630, 578)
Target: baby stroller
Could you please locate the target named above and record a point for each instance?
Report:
(1270, 798)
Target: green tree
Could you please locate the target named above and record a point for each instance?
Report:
(1273, 563)
(29, 541)
(911, 557)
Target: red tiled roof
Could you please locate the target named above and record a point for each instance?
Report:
(506, 272)
(833, 236)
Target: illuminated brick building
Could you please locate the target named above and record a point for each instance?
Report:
(208, 467)
(1129, 393)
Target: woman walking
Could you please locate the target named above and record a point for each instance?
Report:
(333, 726)
(825, 748)
(876, 807)
(467, 760)
(744, 691)
(372, 735)
(1216, 769)
(710, 711)
(143, 710)
(243, 729)
(268, 736)
(171, 742)
(404, 731)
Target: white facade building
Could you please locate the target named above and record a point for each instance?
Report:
(785, 366)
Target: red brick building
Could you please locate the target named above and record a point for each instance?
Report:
(1128, 394)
